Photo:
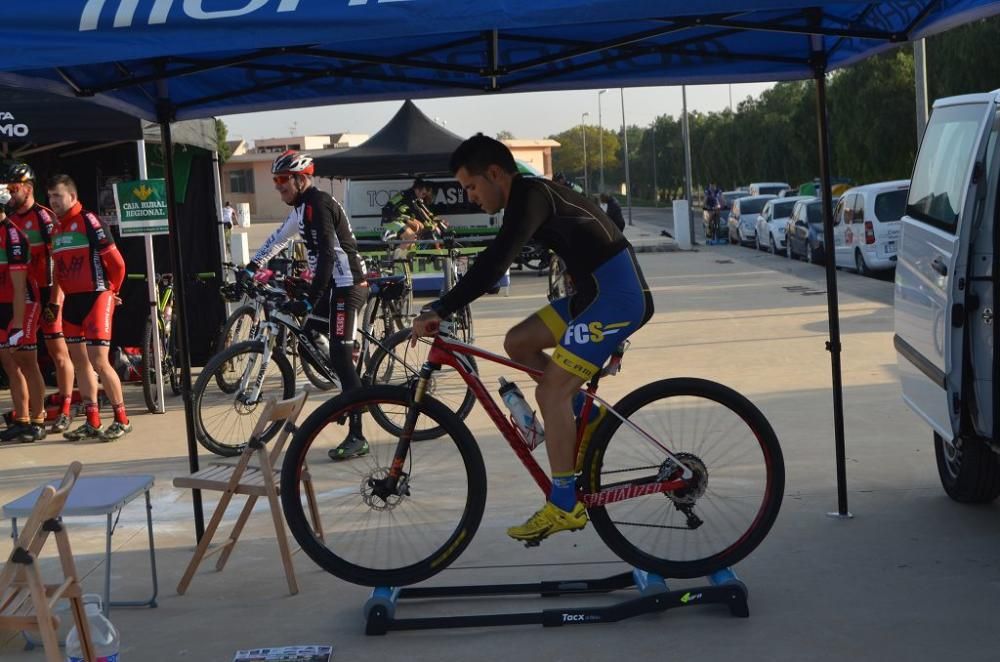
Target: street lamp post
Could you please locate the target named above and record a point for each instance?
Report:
(628, 179)
(600, 137)
(583, 132)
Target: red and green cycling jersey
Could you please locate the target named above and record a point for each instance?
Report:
(86, 258)
(38, 223)
(14, 256)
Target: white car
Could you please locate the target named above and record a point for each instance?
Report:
(866, 226)
(742, 220)
(768, 188)
(771, 224)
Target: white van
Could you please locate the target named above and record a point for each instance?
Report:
(946, 297)
(769, 188)
(866, 226)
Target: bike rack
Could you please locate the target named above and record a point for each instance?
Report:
(723, 587)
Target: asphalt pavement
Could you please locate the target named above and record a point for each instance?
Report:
(911, 576)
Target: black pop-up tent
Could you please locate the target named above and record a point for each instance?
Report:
(410, 143)
(169, 60)
(97, 145)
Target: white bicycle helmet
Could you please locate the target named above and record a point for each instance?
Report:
(291, 162)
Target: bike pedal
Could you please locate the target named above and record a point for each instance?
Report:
(532, 543)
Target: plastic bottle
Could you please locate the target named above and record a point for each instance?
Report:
(525, 419)
(102, 633)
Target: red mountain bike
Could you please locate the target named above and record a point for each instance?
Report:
(683, 477)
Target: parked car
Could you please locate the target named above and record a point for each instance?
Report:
(866, 226)
(804, 232)
(771, 223)
(768, 188)
(743, 218)
(946, 294)
(730, 197)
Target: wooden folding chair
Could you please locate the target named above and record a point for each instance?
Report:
(255, 482)
(26, 603)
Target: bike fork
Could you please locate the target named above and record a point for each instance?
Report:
(412, 412)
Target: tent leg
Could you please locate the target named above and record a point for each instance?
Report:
(181, 320)
(833, 313)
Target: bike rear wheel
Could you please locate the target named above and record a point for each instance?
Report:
(392, 540)
(237, 328)
(735, 493)
(224, 418)
(395, 362)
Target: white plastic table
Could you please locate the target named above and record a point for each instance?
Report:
(99, 495)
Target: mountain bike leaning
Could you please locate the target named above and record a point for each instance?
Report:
(230, 392)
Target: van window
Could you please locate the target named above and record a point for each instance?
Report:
(783, 209)
(770, 190)
(890, 206)
(939, 175)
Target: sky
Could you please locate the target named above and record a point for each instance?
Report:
(527, 115)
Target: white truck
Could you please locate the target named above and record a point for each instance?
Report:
(946, 296)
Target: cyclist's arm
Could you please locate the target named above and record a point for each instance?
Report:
(18, 256)
(114, 266)
(277, 241)
(320, 222)
(519, 225)
(103, 244)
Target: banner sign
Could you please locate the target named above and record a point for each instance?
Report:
(142, 206)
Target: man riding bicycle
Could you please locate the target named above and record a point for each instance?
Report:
(338, 273)
(408, 217)
(611, 302)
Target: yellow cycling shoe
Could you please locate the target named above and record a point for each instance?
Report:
(588, 432)
(550, 519)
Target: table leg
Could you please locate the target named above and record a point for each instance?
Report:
(151, 602)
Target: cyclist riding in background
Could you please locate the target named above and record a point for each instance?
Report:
(711, 208)
(407, 215)
(90, 271)
(611, 302)
(338, 272)
(38, 223)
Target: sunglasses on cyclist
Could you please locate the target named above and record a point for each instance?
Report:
(282, 179)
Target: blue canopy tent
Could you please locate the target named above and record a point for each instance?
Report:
(168, 59)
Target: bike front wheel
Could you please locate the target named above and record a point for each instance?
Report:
(237, 328)
(224, 418)
(727, 507)
(150, 374)
(396, 362)
(357, 527)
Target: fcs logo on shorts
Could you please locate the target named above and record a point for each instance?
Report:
(581, 334)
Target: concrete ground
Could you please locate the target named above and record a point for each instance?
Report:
(913, 576)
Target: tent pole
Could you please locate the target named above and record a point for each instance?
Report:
(223, 245)
(833, 313)
(181, 321)
(152, 290)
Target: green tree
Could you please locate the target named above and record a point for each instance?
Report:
(505, 135)
(568, 157)
(221, 140)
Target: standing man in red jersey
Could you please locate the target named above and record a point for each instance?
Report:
(38, 224)
(18, 327)
(89, 271)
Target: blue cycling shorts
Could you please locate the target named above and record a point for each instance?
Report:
(622, 304)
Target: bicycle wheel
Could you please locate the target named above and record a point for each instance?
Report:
(150, 392)
(732, 500)
(396, 362)
(171, 366)
(391, 540)
(236, 329)
(463, 325)
(224, 418)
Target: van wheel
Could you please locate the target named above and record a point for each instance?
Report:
(810, 258)
(859, 264)
(774, 247)
(969, 470)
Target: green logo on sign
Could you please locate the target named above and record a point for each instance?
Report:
(142, 206)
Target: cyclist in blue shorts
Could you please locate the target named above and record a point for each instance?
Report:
(611, 302)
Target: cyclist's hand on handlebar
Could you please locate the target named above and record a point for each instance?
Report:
(296, 307)
(427, 323)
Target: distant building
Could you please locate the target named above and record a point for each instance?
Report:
(536, 153)
(246, 176)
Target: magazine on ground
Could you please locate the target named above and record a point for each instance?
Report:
(313, 653)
